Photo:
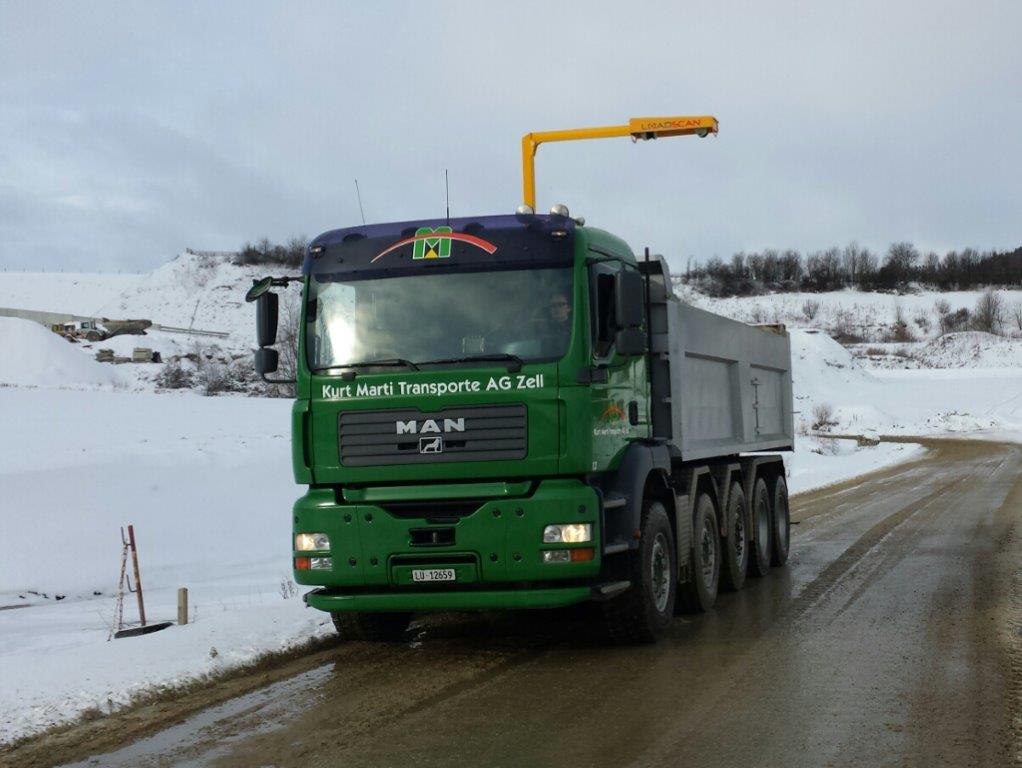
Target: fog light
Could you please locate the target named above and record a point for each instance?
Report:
(568, 533)
(557, 556)
(322, 563)
(311, 542)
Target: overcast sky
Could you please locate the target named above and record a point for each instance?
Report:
(131, 131)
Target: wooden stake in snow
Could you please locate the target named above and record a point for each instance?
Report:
(138, 579)
(144, 629)
(182, 605)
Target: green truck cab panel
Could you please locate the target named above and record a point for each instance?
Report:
(498, 543)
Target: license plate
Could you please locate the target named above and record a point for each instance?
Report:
(433, 574)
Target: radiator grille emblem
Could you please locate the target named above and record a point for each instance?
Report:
(431, 445)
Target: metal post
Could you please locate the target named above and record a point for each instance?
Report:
(182, 605)
(138, 579)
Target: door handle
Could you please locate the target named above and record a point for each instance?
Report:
(633, 412)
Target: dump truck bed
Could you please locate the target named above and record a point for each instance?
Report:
(720, 387)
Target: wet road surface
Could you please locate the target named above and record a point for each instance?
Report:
(892, 637)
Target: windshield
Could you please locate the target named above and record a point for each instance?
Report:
(420, 318)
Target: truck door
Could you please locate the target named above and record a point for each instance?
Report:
(615, 401)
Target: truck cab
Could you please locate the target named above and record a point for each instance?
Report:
(474, 424)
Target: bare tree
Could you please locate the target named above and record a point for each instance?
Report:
(851, 261)
(989, 313)
(810, 308)
(287, 340)
(1016, 314)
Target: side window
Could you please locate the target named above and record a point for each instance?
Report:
(603, 303)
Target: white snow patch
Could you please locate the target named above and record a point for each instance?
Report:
(33, 356)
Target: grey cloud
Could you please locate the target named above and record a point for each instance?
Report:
(128, 132)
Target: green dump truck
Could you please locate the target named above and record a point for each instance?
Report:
(514, 412)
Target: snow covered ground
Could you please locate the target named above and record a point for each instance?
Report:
(871, 314)
(207, 484)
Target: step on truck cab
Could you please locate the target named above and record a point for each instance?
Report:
(512, 412)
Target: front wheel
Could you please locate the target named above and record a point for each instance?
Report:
(645, 611)
(379, 627)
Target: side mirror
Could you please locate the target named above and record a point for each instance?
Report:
(259, 287)
(266, 319)
(266, 360)
(630, 298)
(630, 342)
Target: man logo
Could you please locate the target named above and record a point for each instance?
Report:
(439, 248)
(431, 445)
(430, 425)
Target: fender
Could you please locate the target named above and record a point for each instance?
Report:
(622, 490)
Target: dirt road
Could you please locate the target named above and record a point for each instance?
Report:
(893, 637)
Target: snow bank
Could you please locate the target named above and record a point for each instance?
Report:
(31, 355)
(970, 349)
(868, 314)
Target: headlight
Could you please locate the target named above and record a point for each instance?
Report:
(568, 533)
(311, 542)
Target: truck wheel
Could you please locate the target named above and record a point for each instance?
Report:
(759, 556)
(781, 523)
(735, 549)
(699, 593)
(643, 612)
(380, 627)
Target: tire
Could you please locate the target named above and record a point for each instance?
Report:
(780, 518)
(699, 593)
(759, 552)
(735, 547)
(376, 627)
(646, 610)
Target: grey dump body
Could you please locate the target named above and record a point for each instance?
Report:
(720, 387)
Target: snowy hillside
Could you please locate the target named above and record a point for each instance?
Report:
(871, 315)
(193, 290)
(199, 291)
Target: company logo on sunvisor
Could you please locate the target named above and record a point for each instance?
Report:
(435, 243)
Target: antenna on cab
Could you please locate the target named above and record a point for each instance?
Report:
(359, 196)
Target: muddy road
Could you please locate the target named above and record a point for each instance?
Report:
(893, 637)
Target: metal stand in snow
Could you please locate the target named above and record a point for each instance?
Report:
(128, 545)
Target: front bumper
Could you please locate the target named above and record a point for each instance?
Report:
(497, 550)
(476, 600)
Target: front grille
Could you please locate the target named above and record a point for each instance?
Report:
(411, 436)
(442, 510)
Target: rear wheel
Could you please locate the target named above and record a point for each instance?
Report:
(643, 612)
(735, 548)
(759, 555)
(699, 593)
(781, 523)
(380, 627)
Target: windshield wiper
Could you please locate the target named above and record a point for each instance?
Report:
(515, 362)
(386, 361)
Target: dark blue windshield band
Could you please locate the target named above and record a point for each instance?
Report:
(486, 243)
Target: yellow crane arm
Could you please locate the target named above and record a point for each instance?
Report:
(639, 128)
